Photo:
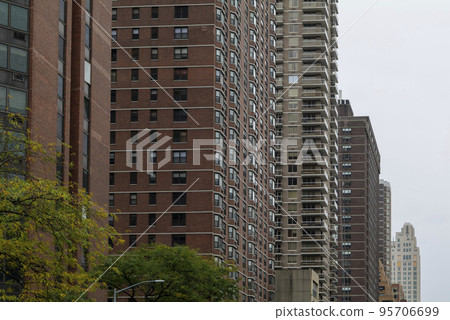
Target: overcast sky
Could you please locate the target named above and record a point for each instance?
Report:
(394, 67)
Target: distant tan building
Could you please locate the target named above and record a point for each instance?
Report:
(397, 291)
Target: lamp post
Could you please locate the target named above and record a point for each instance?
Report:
(134, 285)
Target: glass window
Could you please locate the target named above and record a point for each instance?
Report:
(19, 60)
(19, 18)
(17, 101)
(2, 98)
(3, 13)
(3, 56)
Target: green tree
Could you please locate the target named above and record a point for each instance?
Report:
(187, 276)
(49, 233)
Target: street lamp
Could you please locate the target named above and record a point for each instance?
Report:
(134, 285)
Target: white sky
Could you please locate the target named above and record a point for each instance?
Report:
(394, 67)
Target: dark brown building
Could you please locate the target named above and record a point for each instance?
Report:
(54, 70)
(198, 75)
(358, 210)
(384, 220)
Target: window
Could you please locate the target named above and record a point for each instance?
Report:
(179, 136)
(132, 239)
(135, 54)
(114, 14)
(114, 34)
(179, 198)
(178, 219)
(178, 177)
(180, 53)
(154, 74)
(112, 158)
(134, 116)
(133, 177)
(112, 117)
(181, 12)
(111, 200)
(155, 13)
(292, 181)
(111, 179)
(154, 54)
(153, 94)
(152, 178)
(113, 55)
(134, 95)
(153, 115)
(151, 219)
(112, 137)
(135, 13)
(152, 198)
(180, 74)
(135, 34)
(113, 96)
(178, 240)
(180, 32)
(19, 18)
(180, 94)
(154, 33)
(134, 74)
(151, 239)
(18, 59)
(113, 75)
(179, 115)
(179, 156)
(133, 199)
(133, 220)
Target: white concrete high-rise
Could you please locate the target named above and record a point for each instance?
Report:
(406, 262)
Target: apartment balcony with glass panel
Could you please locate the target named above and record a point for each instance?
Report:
(316, 108)
(315, 82)
(316, 6)
(316, 32)
(313, 69)
(321, 19)
(315, 44)
(311, 250)
(315, 57)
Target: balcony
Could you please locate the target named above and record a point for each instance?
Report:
(280, 7)
(279, 44)
(316, 134)
(279, 57)
(315, 44)
(333, 217)
(315, 225)
(334, 65)
(314, 57)
(313, 250)
(279, 83)
(315, 264)
(334, 76)
(334, 54)
(322, 109)
(334, 170)
(280, 21)
(334, 230)
(315, 186)
(334, 158)
(315, 82)
(320, 173)
(309, 70)
(280, 33)
(334, 194)
(316, 19)
(321, 6)
(334, 206)
(334, 19)
(316, 32)
(334, 31)
(317, 198)
(319, 212)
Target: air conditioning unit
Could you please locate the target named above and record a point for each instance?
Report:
(18, 77)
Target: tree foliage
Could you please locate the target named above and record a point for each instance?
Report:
(49, 233)
(187, 276)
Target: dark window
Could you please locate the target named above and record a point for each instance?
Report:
(112, 137)
(155, 13)
(111, 200)
(134, 74)
(61, 48)
(114, 34)
(136, 13)
(153, 94)
(135, 34)
(132, 240)
(134, 95)
(151, 219)
(178, 219)
(180, 33)
(292, 168)
(180, 94)
(153, 115)
(133, 220)
(292, 181)
(134, 136)
(154, 74)
(179, 157)
(112, 116)
(180, 53)
(153, 136)
(181, 12)
(112, 158)
(179, 198)
(133, 199)
(113, 75)
(154, 54)
(180, 74)
(152, 198)
(151, 239)
(111, 179)
(113, 95)
(135, 54)
(179, 136)
(178, 240)
(114, 14)
(178, 177)
(134, 115)
(154, 33)
(114, 55)
(133, 177)
(152, 178)
(179, 115)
